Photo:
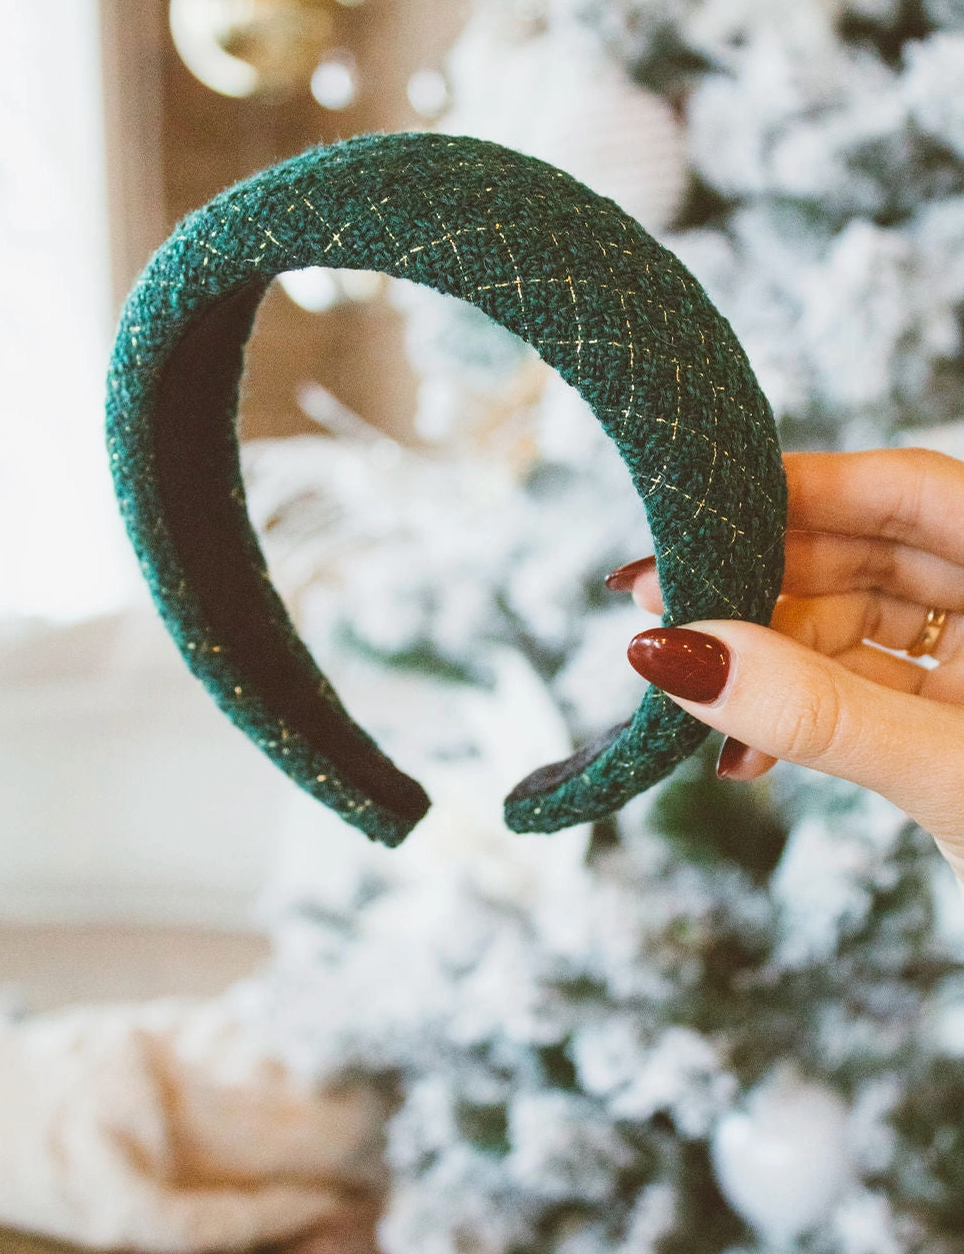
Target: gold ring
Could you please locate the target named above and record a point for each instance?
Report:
(930, 633)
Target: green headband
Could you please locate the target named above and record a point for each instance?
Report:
(616, 314)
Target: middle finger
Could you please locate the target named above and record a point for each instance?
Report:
(818, 563)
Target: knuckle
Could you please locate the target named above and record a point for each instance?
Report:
(811, 725)
(903, 519)
(876, 560)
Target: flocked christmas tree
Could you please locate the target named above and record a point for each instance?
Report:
(730, 1019)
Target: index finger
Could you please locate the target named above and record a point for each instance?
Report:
(914, 496)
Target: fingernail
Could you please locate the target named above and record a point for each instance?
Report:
(732, 756)
(684, 663)
(623, 577)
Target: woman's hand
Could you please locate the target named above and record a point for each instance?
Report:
(876, 541)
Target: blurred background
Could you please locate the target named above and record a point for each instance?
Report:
(141, 128)
(727, 1020)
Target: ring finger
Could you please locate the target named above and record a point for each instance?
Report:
(848, 625)
(840, 626)
(840, 621)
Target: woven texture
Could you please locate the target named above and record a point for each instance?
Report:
(614, 312)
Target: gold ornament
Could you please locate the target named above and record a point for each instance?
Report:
(251, 47)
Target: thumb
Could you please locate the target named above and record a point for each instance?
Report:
(775, 695)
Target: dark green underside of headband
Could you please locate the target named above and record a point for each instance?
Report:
(565, 269)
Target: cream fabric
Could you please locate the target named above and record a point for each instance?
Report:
(164, 1127)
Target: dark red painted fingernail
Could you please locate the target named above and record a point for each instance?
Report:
(623, 577)
(684, 663)
(732, 756)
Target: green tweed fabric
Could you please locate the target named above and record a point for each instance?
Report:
(614, 312)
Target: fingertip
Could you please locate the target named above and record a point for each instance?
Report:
(646, 592)
(740, 762)
(641, 580)
(623, 578)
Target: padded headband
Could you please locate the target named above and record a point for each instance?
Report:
(565, 269)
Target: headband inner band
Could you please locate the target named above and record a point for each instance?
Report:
(197, 477)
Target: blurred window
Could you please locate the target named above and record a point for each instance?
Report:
(62, 554)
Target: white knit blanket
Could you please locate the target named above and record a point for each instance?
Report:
(164, 1127)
